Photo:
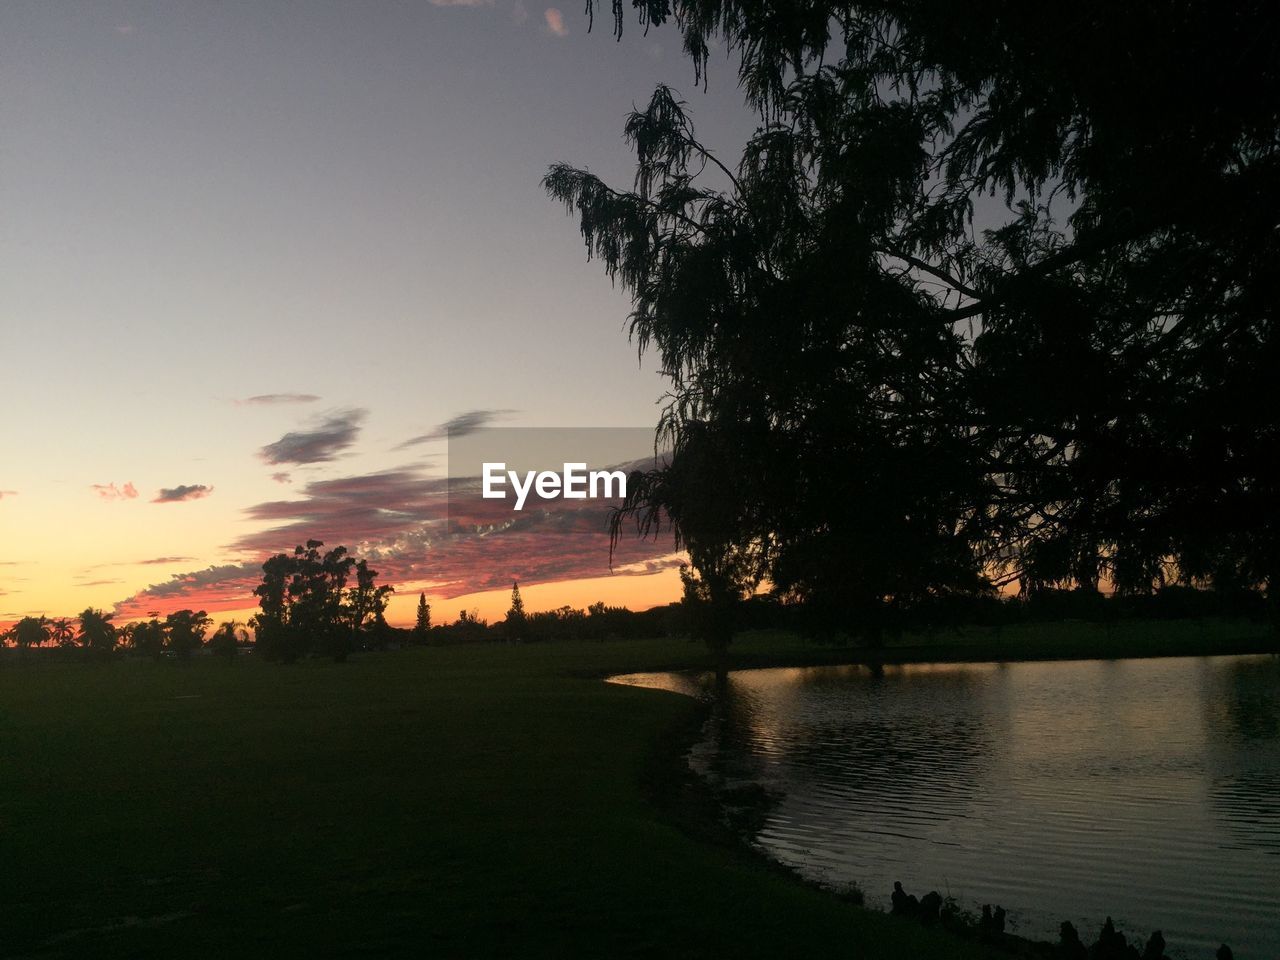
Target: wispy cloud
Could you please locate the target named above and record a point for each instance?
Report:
(519, 13)
(96, 583)
(211, 575)
(186, 491)
(109, 491)
(406, 526)
(334, 433)
(459, 426)
(411, 531)
(8, 493)
(222, 587)
(152, 562)
(555, 22)
(376, 507)
(276, 399)
(282, 476)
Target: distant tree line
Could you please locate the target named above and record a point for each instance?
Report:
(94, 634)
(329, 604)
(595, 622)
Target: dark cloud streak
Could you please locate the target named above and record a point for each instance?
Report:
(182, 492)
(459, 426)
(276, 399)
(335, 433)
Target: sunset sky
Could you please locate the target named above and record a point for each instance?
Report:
(257, 259)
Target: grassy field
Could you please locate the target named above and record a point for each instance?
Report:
(488, 800)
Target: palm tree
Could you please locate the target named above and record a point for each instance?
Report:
(97, 632)
(62, 631)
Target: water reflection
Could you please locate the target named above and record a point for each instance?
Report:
(1144, 789)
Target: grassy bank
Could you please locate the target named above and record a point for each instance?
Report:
(489, 800)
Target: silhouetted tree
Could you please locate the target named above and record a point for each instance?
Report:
(467, 629)
(97, 633)
(422, 625)
(367, 603)
(226, 640)
(62, 631)
(911, 405)
(186, 630)
(146, 637)
(29, 632)
(516, 626)
(306, 608)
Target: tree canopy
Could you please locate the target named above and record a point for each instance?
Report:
(307, 607)
(989, 295)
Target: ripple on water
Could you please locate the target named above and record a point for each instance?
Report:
(1144, 789)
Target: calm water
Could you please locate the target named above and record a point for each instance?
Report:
(1144, 789)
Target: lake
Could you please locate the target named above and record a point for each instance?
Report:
(1144, 789)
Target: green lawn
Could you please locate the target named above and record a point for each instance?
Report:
(488, 800)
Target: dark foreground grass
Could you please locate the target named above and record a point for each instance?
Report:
(472, 801)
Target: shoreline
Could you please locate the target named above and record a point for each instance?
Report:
(1251, 640)
(694, 805)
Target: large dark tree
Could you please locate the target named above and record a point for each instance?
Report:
(185, 631)
(990, 294)
(367, 605)
(28, 632)
(147, 638)
(307, 608)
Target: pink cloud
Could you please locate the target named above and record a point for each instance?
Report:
(406, 526)
(460, 426)
(109, 491)
(555, 22)
(226, 587)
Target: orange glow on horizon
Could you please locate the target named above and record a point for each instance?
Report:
(639, 592)
(636, 592)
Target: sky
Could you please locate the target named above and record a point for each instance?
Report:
(258, 258)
